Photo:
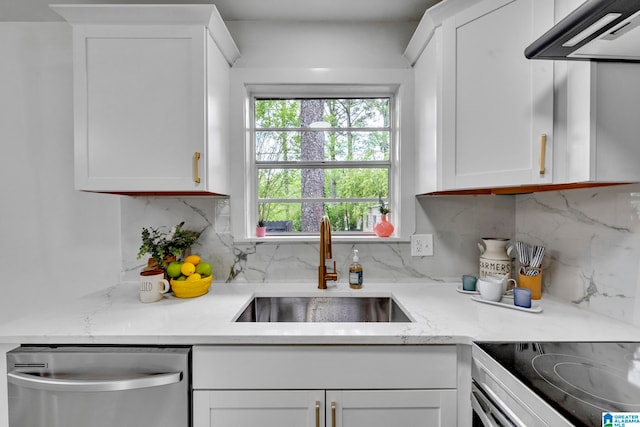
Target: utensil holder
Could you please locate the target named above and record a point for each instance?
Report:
(531, 282)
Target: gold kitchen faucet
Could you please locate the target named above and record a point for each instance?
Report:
(325, 254)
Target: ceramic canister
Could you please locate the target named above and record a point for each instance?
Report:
(494, 257)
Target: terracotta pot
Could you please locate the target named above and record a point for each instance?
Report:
(384, 228)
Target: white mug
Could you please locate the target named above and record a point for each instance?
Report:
(153, 285)
(504, 280)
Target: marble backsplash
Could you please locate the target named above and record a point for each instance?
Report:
(457, 222)
(592, 238)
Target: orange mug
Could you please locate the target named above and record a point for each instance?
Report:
(532, 282)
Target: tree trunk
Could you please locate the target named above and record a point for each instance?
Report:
(312, 148)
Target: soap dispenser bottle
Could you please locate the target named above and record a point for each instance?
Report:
(355, 272)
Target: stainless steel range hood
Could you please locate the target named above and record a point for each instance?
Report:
(598, 30)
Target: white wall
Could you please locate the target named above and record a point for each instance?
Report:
(273, 44)
(55, 242)
(316, 53)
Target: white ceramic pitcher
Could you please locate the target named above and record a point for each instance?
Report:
(495, 257)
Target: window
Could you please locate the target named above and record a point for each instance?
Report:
(318, 156)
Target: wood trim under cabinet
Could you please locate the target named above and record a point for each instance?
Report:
(523, 189)
(160, 193)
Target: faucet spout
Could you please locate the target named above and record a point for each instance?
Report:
(325, 254)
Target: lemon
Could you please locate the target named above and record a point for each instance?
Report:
(187, 268)
(173, 269)
(204, 269)
(194, 276)
(193, 259)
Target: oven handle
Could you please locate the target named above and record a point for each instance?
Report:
(497, 403)
(56, 384)
(482, 413)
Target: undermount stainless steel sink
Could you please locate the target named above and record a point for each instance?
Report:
(323, 309)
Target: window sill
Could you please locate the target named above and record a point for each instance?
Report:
(314, 239)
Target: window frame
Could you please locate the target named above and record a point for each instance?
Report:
(245, 81)
(322, 92)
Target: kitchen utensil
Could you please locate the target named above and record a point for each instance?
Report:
(523, 252)
(536, 260)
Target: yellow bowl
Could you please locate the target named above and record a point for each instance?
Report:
(191, 288)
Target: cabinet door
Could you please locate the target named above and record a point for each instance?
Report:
(264, 408)
(139, 107)
(496, 103)
(384, 408)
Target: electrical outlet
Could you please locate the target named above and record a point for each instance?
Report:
(422, 245)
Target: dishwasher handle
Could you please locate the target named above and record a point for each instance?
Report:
(86, 385)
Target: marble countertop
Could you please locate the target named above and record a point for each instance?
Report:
(440, 315)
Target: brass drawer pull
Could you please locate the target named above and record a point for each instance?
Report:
(317, 413)
(196, 174)
(543, 150)
(333, 414)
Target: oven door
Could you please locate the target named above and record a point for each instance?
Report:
(513, 400)
(485, 412)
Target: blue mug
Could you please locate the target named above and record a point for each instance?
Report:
(522, 297)
(469, 282)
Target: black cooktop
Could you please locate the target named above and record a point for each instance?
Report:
(580, 380)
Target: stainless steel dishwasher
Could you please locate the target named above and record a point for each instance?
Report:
(73, 386)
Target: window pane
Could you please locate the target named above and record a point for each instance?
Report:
(344, 183)
(357, 113)
(277, 113)
(285, 217)
(335, 113)
(339, 145)
(351, 137)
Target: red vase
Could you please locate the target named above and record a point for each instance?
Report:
(384, 228)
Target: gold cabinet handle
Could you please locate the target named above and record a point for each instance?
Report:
(317, 413)
(196, 174)
(543, 150)
(333, 414)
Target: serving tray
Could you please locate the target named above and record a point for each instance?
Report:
(535, 308)
(462, 291)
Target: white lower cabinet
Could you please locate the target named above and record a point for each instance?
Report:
(315, 408)
(328, 386)
(266, 408)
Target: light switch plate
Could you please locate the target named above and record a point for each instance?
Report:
(422, 245)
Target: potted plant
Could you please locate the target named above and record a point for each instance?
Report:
(261, 228)
(384, 228)
(165, 247)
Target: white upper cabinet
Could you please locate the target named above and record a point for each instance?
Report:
(484, 113)
(150, 98)
(602, 141)
(487, 118)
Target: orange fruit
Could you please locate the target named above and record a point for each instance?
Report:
(193, 259)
